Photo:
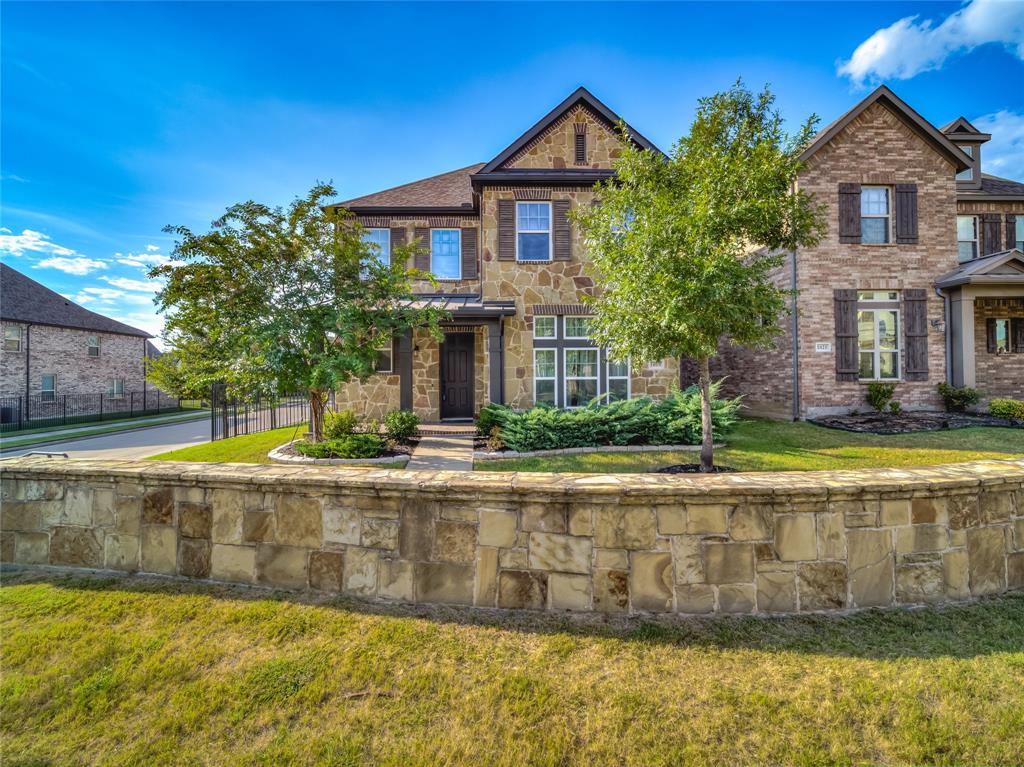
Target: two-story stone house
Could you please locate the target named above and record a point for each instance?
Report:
(909, 284)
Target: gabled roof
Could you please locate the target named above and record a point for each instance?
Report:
(579, 96)
(22, 299)
(1002, 268)
(450, 192)
(961, 128)
(882, 95)
(993, 188)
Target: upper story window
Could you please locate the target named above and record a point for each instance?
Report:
(379, 241)
(966, 238)
(92, 345)
(446, 253)
(48, 388)
(966, 175)
(544, 327)
(875, 215)
(12, 338)
(1019, 232)
(533, 231)
(385, 359)
(577, 327)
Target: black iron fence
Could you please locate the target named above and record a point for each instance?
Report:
(33, 411)
(231, 417)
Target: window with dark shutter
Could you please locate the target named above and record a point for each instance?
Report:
(422, 259)
(506, 230)
(915, 331)
(1017, 335)
(906, 214)
(849, 213)
(1011, 231)
(562, 243)
(469, 260)
(990, 335)
(991, 237)
(397, 241)
(847, 359)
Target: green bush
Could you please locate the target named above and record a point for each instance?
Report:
(1007, 408)
(675, 420)
(958, 398)
(401, 425)
(879, 394)
(895, 407)
(491, 416)
(351, 446)
(339, 423)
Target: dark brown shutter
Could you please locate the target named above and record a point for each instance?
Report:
(847, 360)
(1017, 335)
(506, 230)
(991, 237)
(469, 262)
(422, 260)
(562, 243)
(397, 241)
(849, 213)
(915, 333)
(990, 335)
(1011, 231)
(906, 214)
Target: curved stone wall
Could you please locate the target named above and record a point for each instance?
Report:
(733, 543)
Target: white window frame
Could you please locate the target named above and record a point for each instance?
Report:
(89, 346)
(974, 241)
(43, 392)
(554, 379)
(966, 175)
(565, 326)
(887, 216)
(1018, 233)
(16, 346)
(1009, 333)
(385, 250)
(876, 350)
(112, 388)
(458, 251)
(608, 378)
(596, 378)
(549, 232)
(872, 297)
(656, 365)
(554, 326)
(389, 349)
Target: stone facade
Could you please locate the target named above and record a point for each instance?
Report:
(555, 148)
(772, 543)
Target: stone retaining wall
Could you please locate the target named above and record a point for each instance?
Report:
(741, 543)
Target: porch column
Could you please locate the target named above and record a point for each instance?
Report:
(496, 359)
(962, 335)
(405, 370)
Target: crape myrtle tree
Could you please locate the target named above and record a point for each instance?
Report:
(275, 300)
(684, 247)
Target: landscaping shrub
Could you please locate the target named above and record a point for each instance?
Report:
(491, 416)
(339, 423)
(895, 407)
(401, 425)
(675, 420)
(1007, 408)
(958, 398)
(879, 394)
(351, 446)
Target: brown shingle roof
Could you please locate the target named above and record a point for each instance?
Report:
(22, 299)
(997, 185)
(447, 190)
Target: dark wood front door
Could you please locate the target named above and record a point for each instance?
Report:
(457, 376)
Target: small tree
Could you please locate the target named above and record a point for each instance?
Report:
(684, 248)
(273, 300)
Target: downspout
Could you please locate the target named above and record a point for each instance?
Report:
(28, 358)
(948, 327)
(796, 344)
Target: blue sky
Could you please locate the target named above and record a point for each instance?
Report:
(120, 118)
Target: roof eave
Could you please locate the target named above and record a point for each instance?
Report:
(396, 210)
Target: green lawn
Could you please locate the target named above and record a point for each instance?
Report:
(145, 672)
(763, 445)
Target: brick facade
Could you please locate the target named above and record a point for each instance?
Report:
(998, 375)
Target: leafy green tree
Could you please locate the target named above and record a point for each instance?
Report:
(684, 247)
(275, 300)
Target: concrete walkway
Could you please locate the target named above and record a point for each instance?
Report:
(436, 453)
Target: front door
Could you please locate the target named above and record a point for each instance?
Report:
(457, 376)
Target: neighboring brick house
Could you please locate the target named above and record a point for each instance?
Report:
(53, 346)
(882, 297)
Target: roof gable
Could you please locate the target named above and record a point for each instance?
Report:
(1004, 267)
(914, 121)
(960, 128)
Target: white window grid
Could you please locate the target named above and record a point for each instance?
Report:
(877, 351)
(456, 241)
(520, 229)
(553, 353)
(596, 378)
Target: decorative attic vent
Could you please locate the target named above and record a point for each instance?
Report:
(581, 142)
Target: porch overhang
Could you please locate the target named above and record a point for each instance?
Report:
(466, 307)
(1004, 268)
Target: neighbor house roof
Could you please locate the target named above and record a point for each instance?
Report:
(993, 269)
(993, 188)
(22, 299)
(882, 95)
(449, 192)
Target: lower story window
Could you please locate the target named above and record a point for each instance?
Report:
(618, 379)
(48, 388)
(580, 376)
(878, 340)
(115, 387)
(544, 376)
(385, 359)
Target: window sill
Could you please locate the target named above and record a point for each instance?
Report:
(545, 261)
(867, 381)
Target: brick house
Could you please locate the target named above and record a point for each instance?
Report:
(52, 346)
(916, 280)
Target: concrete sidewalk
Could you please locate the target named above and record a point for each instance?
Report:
(437, 453)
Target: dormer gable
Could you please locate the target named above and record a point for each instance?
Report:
(969, 140)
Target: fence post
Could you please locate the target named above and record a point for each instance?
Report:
(131, 404)
(101, 406)
(64, 414)
(143, 397)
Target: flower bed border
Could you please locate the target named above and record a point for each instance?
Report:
(277, 455)
(483, 455)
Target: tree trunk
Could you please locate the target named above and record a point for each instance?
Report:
(707, 461)
(317, 405)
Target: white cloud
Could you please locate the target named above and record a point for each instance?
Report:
(78, 266)
(102, 294)
(1004, 154)
(127, 284)
(909, 47)
(143, 260)
(152, 248)
(30, 241)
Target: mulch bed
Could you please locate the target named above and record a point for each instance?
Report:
(909, 423)
(691, 468)
(400, 450)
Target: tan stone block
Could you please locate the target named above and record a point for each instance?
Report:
(25, 516)
(737, 598)
(7, 546)
(283, 566)
(920, 583)
(78, 505)
(360, 574)
(831, 536)
(707, 518)
(454, 542)
(615, 559)
(514, 559)
(559, 553)
(650, 581)
(298, 521)
(857, 513)
(395, 580)
(917, 538)
(822, 585)
(957, 538)
(955, 574)
(158, 507)
(121, 552)
(159, 546)
(776, 592)
(986, 557)
(871, 567)
(486, 589)
(795, 537)
(37, 490)
(1015, 570)
(444, 583)
(544, 517)
(624, 527)
(689, 562)
(127, 514)
(326, 570)
(581, 520)
(995, 505)
(964, 511)
(416, 536)
(895, 512)
(194, 558)
(77, 546)
(695, 599)
(103, 502)
(235, 564)
(611, 591)
(380, 533)
(1018, 534)
(258, 527)
(460, 512)
(31, 548)
(522, 589)
(928, 511)
(751, 522)
(729, 562)
(341, 525)
(671, 519)
(195, 520)
(497, 528)
(228, 511)
(569, 592)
